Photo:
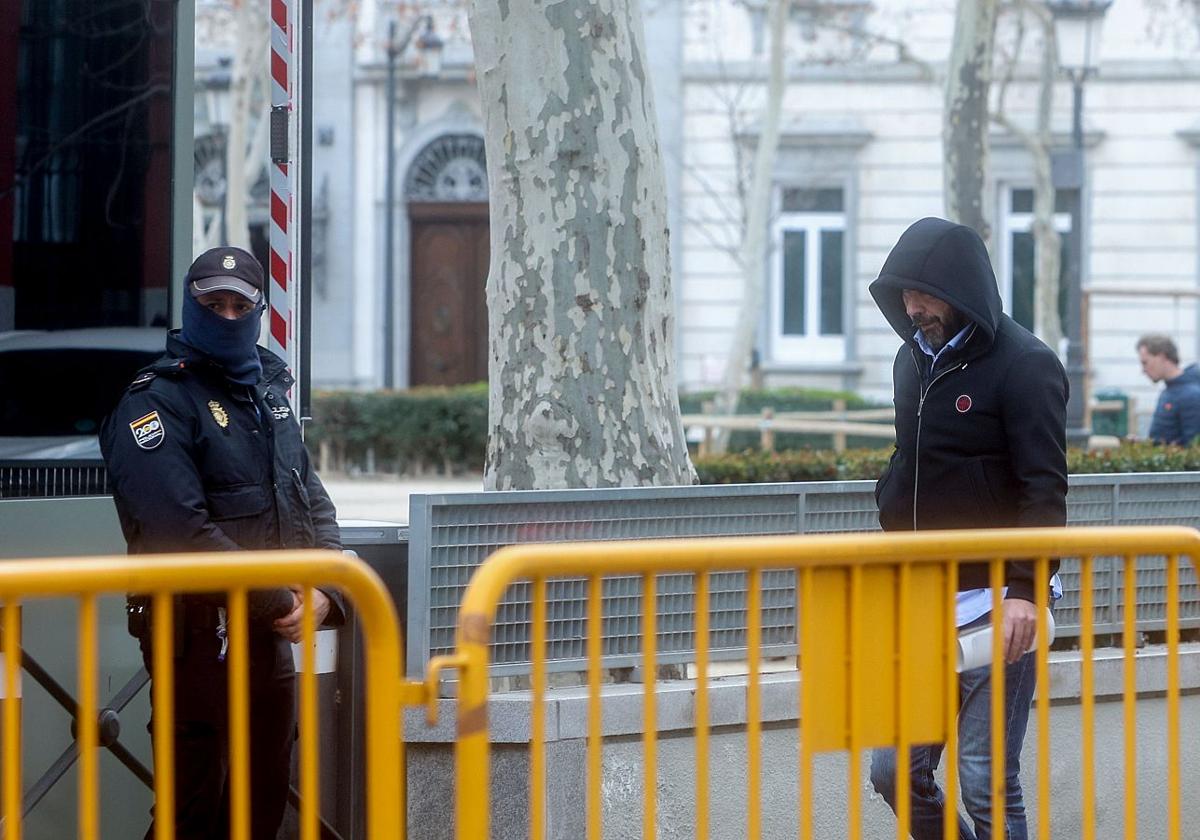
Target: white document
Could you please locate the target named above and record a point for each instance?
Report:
(325, 648)
(975, 645)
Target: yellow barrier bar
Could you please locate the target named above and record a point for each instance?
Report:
(1173, 810)
(649, 708)
(217, 572)
(804, 554)
(85, 721)
(903, 745)
(688, 556)
(999, 784)
(13, 818)
(701, 645)
(1042, 593)
(595, 742)
(537, 742)
(950, 605)
(1087, 694)
(1129, 643)
(239, 716)
(754, 704)
(854, 777)
(804, 579)
(309, 759)
(163, 717)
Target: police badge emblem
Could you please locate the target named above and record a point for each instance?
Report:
(229, 263)
(218, 413)
(148, 431)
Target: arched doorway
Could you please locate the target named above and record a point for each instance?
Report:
(446, 190)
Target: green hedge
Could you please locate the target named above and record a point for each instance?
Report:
(446, 428)
(406, 430)
(753, 467)
(824, 465)
(1142, 456)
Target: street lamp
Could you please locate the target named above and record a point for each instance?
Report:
(430, 47)
(1077, 26)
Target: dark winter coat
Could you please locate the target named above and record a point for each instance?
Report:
(1177, 415)
(198, 463)
(980, 441)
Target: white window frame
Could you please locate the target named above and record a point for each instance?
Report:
(1011, 223)
(812, 347)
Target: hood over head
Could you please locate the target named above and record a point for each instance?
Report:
(943, 259)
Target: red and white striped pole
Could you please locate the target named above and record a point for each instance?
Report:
(283, 297)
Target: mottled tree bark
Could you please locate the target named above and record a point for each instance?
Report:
(965, 120)
(581, 334)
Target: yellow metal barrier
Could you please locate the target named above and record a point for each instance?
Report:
(855, 693)
(164, 576)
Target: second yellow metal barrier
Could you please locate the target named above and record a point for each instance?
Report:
(896, 688)
(162, 577)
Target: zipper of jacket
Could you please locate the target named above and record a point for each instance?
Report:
(920, 409)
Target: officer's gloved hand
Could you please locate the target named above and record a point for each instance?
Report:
(266, 605)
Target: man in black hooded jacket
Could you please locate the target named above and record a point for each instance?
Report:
(980, 443)
(205, 454)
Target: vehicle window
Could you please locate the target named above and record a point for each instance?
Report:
(63, 392)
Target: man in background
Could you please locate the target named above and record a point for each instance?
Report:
(1177, 415)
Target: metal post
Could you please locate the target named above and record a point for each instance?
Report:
(389, 223)
(304, 234)
(1077, 429)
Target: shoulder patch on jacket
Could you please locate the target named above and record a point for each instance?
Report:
(148, 431)
(143, 380)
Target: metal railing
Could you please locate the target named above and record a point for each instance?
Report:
(452, 534)
(234, 574)
(896, 688)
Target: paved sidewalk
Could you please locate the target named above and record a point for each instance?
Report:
(386, 499)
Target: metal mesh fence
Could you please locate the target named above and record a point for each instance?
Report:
(452, 534)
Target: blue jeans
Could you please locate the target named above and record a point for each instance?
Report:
(974, 759)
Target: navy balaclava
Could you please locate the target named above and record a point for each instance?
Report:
(230, 343)
(233, 344)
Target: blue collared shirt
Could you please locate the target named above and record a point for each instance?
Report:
(952, 344)
(972, 604)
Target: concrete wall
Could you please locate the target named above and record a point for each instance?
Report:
(430, 760)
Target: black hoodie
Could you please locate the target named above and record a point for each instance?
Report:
(980, 443)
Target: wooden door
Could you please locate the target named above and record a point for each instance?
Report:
(449, 306)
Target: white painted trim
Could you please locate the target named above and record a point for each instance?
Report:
(812, 346)
(1010, 223)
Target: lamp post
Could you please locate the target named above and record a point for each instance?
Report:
(1077, 28)
(430, 47)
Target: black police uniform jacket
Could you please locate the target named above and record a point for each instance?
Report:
(199, 463)
(981, 439)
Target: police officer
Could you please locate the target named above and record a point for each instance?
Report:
(204, 454)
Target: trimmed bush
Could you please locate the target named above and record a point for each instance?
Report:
(753, 467)
(1141, 456)
(446, 429)
(403, 431)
